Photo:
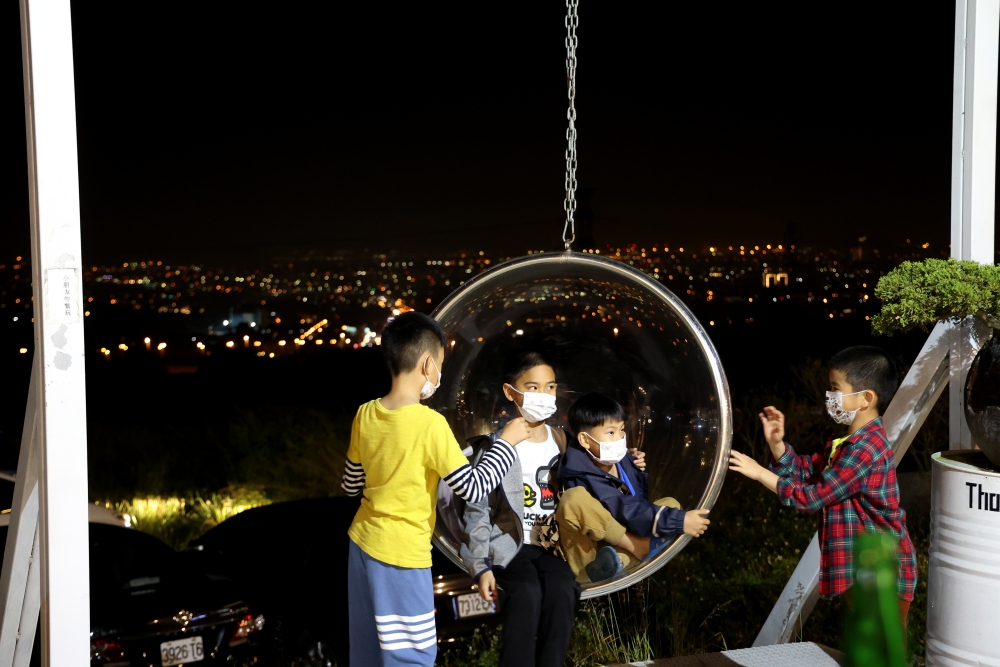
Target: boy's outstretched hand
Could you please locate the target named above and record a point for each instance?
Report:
(746, 466)
(774, 426)
(638, 458)
(516, 430)
(696, 522)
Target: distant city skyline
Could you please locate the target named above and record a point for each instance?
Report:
(303, 252)
(274, 308)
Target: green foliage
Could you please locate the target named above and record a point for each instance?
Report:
(291, 454)
(481, 650)
(611, 630)
(287, 452)
(919, 294)
(716, 594)
(615, 629)
(177, 521)
(916, 624)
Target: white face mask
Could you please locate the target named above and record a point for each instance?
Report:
(428, 389)
(536, 406)
(611, 452)
(835, 407)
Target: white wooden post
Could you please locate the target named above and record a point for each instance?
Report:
(973, 176)
(61, 417)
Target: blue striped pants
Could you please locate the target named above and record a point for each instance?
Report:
(391, 613)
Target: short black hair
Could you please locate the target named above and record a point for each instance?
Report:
(868, 367)
(406, 337)
(592, 410)
(518, 364)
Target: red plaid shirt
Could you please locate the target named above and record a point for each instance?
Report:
(856, 492)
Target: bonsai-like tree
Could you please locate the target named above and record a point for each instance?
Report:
(919, 294)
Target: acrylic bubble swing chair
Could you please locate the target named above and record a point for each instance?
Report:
(605, 327)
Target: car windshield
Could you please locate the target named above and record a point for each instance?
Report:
(135, 578)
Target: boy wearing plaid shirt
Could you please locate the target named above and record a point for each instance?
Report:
(852, 483)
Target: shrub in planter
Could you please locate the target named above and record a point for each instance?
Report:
(919, 294)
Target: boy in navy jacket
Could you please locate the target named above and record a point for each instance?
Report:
(606, 520)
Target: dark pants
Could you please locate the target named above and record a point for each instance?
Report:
(540, 596)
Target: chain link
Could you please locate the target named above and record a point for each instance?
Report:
(569, 204)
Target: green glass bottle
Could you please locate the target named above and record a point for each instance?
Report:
(873, 629)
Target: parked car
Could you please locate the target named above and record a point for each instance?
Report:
(289, 560)
(149, 607)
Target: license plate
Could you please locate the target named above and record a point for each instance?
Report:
(471, 604)
(182, 651)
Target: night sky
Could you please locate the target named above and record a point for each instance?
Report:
(222, 130)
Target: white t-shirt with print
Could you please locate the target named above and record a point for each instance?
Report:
(537, 458)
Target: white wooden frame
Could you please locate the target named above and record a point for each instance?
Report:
(46, 563)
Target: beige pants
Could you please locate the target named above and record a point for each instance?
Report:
(585, 526)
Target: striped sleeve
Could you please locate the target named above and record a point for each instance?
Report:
(354, 479)
(474, 484)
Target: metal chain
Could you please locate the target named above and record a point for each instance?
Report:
(569, 204)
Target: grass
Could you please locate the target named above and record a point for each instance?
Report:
(177, 521)
(619, 628)
(257, 458)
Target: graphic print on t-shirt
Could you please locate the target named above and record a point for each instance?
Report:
(539, 500)
(537, 459)
(547, 492)
(529, 496)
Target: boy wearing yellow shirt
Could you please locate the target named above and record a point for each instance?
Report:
(399, 451)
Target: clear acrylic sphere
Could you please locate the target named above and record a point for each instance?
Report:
(605, 327)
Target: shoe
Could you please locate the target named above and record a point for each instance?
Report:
(656, 545)
(607, 564)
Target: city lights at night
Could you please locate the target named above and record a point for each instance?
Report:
(355, 293)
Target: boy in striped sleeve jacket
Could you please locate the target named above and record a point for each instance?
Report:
(399, 451)
(852, 482)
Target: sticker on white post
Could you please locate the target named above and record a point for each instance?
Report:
(62, 305)
(62, 311)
